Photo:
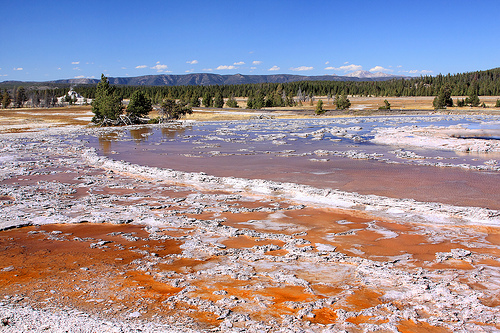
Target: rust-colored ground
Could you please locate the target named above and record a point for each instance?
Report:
(61, 265)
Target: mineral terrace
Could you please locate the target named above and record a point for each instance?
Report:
(90, 244)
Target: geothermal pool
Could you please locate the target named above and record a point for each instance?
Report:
(337, 153)
(253, 226)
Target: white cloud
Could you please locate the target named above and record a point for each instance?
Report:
(141, 66)
(347, 68)
(208, 69)
(226, 67)
(253, 67)
(326, 63)
(77, 69)
(380, 69)
(80, 77)
(415, 71)
(124, 67)
(18, 68)
(75, 63)
(192, 62)
(160, 68)
(189, 71)
(256, 62)
(274, 68)
(301, 68)
(239, 63)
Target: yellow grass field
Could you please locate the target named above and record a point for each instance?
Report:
(18, 120)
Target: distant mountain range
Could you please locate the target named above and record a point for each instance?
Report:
(206, 79)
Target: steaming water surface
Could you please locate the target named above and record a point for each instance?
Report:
(326, 153)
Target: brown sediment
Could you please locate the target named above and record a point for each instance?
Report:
(409, 326)
(494, 237)
(365, 319)
(360, 299)
(324, 316)
(246, 242)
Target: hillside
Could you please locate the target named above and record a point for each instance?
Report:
(206, 79)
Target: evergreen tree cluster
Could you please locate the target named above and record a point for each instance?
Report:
(342, 102)
(107, 104)
(484, 83)
(171, 109)
(443, 99)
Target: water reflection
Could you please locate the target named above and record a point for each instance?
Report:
(173, 131)
(141, 134)
(106, 139)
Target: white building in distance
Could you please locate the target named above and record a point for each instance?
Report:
(80, 100)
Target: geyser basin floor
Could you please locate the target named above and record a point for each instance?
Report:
(156, 254)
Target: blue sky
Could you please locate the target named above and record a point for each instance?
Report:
(48, 40)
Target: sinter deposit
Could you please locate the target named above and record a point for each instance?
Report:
(113, 246)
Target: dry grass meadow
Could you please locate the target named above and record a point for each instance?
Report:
(24, 119)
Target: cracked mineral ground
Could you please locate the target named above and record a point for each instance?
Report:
(197, 227)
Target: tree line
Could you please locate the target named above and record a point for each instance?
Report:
(481, 83)
(18, 97)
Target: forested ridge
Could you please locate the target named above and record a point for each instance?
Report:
(480, 83)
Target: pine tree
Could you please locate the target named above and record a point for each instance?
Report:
(231, 103)
(6, 100)
(472, 100)
(342, 102)
(170, 109)
(218, 101)
(319, 107)
(207, 100)
(386, 106)
(21, 97)
(443, 99)
(139, 106)
(107, 105)
(194, 101)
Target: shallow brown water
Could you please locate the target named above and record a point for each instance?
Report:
(246, 150)
(421, 183)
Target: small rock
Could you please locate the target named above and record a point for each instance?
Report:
(5, 321)
(135, 314)
(460, 253)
